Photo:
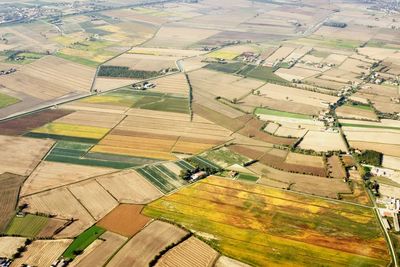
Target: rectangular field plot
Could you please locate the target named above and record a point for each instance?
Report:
(21, 155)
(191, 252)
(69, 132)
(9, 190)
(42, 252)
(161, 177)
(78, 153)
(144, 100)
(29, 225)
(109, 244)
(259, 225)
(83, 241)
(129, 187)
(141, 249)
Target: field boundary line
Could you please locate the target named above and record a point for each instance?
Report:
(81, 204)
(72, 183)
(107, 192)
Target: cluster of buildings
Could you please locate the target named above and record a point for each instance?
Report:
(4, 262)
(9, 71)
(390, 214)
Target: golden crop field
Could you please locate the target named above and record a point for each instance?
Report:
(260, 225)
(65, 129)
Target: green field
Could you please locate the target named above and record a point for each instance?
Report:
(83, 241)
(27, 226)
(266, 74)
(227, 67)
(142, 99)
(244, 71)
(278, 113)
(360, 106)
(263, 226)
(6, 100)
(78, 153)
(247, 177)
(224, 157)
(79, 60)
(203, 163)
(161, 177)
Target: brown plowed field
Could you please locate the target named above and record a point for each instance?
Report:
(125, 220)
(336, 168)
(22, 125)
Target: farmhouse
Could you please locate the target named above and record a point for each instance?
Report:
(198, 175)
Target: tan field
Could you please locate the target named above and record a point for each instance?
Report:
(165, 52)
(172, 84)
(323, 141)
(220, 84)
(9, 245)
(300, 159)
(90, 118)
(141, 249)
(321, 186)
(21, 155)
(391, 162)
(99, 255)
(144, 62)
(280, 54)
(191, 252)
(103, 84)
(295, 73)
(129, 187)
(63, 204)
(355, 113)
(94, 198)
(42, 252)
(381, 137)
(96, 107)
(178, 37)
(387, 149)
(50, 77)
(49, 175)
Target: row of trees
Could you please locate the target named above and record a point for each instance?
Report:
(125, 72)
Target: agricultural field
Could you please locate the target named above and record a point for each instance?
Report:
(42, 252)
(10, 185)
(129, 187)
(192, 252)
(125, 220)
(141, 248)
(83, 241)
(27, 226)
(50, 175)
(96, 200)
(6, 100)
(107, 110)
(9, 245)
(323, 141)
(108, 244)
(21, 155)
(63, 205)
(211, 207)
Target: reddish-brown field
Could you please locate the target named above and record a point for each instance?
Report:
(125, 220)
(249, 151)
(253, 129)
(9, 189)
(22, 125)
(277, 161)
(335, 167)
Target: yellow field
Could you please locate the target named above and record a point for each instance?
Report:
(228, 55)
(190, 147)
(72, 130)
(134, 152)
